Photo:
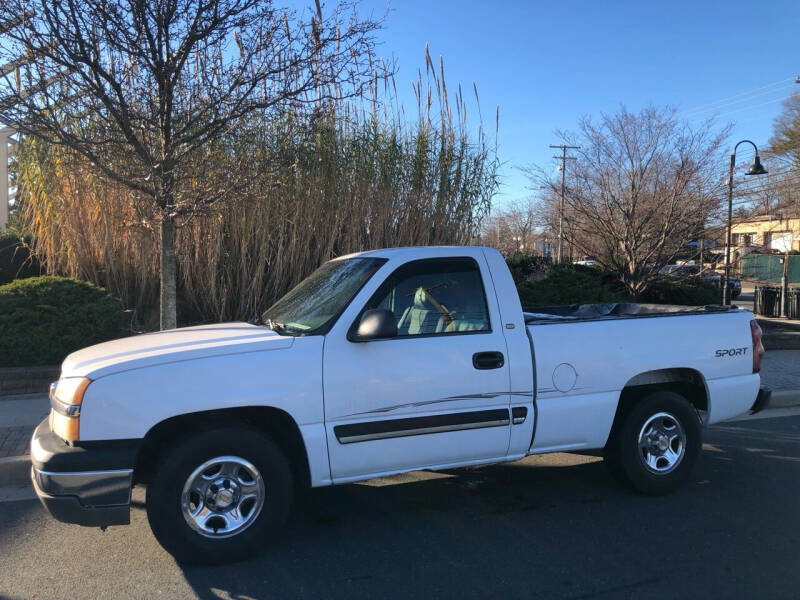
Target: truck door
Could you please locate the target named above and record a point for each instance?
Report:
(436, 394)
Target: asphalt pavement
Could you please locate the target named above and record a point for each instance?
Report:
(554, 526)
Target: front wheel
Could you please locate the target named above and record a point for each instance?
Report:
(656, 444)
(219, 496)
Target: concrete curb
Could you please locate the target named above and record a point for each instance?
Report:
(778, 324)
(27, 380)
(12, 397)
(15, 470)
(784, 398)
(781, 341)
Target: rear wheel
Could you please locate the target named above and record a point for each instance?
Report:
(656, 444)
(219, 496)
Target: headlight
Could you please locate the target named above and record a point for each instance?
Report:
(66, 397)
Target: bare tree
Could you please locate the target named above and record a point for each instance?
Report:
(642, 186)
(141, 88)
(775, 194)
(785, 138)
(546, 209)
(515, 227)
(779, 192)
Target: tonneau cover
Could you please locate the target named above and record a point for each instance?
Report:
(574, 312)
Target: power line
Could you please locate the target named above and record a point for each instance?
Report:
(784, 159)
(745, 93)
(734, 102)
(751, 188)
(772, 177)
(751, 195)
(738, 110)
(753, 198)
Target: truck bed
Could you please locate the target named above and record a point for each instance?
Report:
(584, 356)
(613, 310)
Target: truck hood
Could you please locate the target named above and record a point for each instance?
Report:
(187, 343)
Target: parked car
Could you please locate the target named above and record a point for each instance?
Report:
(379, 363)
(689, 271)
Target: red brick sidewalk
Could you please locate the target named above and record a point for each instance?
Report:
(14, 441)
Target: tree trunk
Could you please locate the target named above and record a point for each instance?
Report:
(168, 275)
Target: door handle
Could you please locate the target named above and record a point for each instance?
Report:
(488, 360)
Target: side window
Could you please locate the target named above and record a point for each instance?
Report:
(437, 296)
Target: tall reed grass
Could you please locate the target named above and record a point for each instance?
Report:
(315, 183)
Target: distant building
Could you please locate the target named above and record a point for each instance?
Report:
(776, 233)
(541, 245)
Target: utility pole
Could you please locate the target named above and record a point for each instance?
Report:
(5, 196)
(784, 311)
(563, 158)
(700, 244)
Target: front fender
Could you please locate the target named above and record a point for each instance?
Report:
(127, 404)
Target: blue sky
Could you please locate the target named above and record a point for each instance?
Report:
(548, 63)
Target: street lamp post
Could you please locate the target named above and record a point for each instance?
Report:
(755, 169)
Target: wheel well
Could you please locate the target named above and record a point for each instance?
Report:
(686, 382)
(276, 423)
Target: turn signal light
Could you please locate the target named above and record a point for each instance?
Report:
(67, 428)
(66, 397)
(758, 346)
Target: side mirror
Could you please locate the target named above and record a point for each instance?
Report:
(375, 324)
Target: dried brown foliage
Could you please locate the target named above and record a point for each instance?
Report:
(294, 192)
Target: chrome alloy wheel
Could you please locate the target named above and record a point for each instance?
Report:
(662, 443)
(222, 497)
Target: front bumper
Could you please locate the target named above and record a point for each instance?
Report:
(87, 485)
(762, 400)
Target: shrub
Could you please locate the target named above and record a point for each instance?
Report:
(524, 266)
(577, 284)
(689, 293)
(16, 261)
(569, 284)
(42, 319)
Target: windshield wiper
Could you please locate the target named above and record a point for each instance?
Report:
(278, 327)
(274, 325)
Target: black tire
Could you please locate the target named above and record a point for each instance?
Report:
(626, 460)
(164, 495)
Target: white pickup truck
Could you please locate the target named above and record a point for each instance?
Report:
(378, 363)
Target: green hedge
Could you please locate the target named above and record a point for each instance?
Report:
(525, 266)
(695, 293)
(577, 284)
(16, 261)
(42, 319)
(568, 284)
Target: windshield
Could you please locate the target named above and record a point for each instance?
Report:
(317, 300)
